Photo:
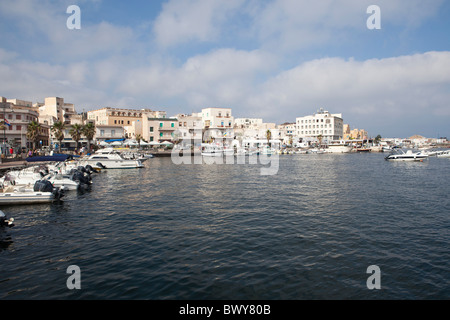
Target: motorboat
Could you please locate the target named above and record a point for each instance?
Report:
(407, 156)
(338, 148)
(42, 192)
(443, 154)
(110, 159)
(211, 150)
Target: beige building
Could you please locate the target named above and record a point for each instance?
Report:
(322, 123)
(218, 123)
(190, 128)
(287, 132)
(17, 115)
(121, 117)
(159, 129)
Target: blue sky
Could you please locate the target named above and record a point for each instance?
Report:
(272, 59)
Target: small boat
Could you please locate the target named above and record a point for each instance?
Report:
(443, 154)
(338, 148)
(43, 192)
(210, 150)
(407, 156)
(110, 159)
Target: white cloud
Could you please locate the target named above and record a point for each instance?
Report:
(182, 21)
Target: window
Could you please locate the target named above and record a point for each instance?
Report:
(128, 121)
(102, 133)
(18, 117)
(151, 129)
(161, 124)
(151, 139)
(172, 125)
(161, 134)
(115, 121)
(113, 133)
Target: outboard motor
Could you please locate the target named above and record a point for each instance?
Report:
(101, 165)
(43, 186)
(4, 222)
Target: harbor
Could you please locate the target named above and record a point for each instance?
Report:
(166, 231)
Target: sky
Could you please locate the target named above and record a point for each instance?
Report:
(271, 59)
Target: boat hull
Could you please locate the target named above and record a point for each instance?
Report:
(21, 198)
(113, 164)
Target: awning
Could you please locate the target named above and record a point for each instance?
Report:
(114, 140)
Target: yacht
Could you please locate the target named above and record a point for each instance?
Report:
(110, 159)
(407, 156)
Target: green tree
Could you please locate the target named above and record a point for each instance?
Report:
(320, 138)
(58, 131)
(33, 132)
(138, 139)
(89, 132)
(377, 138)
(76, 131)
(269, 137)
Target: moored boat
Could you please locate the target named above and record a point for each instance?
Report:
(407, 156)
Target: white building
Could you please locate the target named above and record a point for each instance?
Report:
(322, 123)
(218, 123)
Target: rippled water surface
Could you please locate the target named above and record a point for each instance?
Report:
(225, 232)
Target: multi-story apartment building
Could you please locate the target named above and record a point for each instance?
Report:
(218, 123)
(16, 115)
(159, 129)
(121, 117)
(287, 132)
(190, 128)
(321, 124)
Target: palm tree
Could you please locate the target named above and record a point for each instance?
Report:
(89, 132)
(269, 137)
(320, 137)
(138, 139)
(33, 132)
(76, 132)
(58, 131)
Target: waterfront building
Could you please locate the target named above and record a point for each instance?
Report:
(287, 132)
(106, 132)
(159, 129)
(321, 124)
(121, 117)
(217, 123)
(247, 122)
(17, 114)
(190, 128)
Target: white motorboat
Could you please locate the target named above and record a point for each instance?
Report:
(109, 159)
(43, 192)
(28, 178)
(407, 156)
(338, 148)
(211, 150)
(65, 182)
(443, 154)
